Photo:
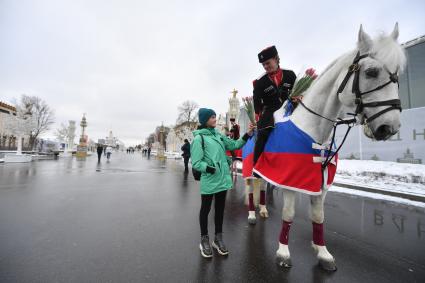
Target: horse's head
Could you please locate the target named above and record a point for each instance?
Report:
(371, 90)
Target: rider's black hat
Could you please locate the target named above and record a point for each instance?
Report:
(268, 53)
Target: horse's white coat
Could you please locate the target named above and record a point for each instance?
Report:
(321, 97)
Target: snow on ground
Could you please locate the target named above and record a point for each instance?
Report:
(383, 175)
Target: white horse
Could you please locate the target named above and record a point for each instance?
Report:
(378, 62)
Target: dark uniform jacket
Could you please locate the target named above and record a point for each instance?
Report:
(268, 97)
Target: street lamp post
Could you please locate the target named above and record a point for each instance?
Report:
(82, 147)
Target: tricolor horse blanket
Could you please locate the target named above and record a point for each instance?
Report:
(291, 159)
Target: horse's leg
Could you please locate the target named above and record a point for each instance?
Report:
(326, 260)
(263, 210)
(282, 254)
(249, 185)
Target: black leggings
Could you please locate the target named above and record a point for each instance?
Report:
(219, 203)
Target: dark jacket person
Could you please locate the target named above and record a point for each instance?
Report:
(186, 154)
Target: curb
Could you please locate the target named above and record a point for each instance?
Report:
(389, 193)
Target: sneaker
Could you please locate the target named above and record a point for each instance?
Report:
(218, 244)
(205, 247)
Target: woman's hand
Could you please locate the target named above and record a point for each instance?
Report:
(210, 169)
(251, 128)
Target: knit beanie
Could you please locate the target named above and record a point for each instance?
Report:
(204, 114)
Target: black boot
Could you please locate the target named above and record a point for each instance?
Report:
(218, 244)
(205, 247)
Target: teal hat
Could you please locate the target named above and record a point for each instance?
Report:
(204, 114)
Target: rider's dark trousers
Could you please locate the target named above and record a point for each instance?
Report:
(260, 143)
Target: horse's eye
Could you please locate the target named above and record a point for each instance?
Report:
(372, 72)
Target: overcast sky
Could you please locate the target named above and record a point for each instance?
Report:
(129, 64)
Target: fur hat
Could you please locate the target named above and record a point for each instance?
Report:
(266, 54)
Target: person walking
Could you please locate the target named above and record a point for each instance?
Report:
(186, 154)
(208, 154)
(149, 152)
(108, 152)
(99, 152)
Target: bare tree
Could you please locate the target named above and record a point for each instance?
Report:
(42, 113)
(187, 112)
(62, 133)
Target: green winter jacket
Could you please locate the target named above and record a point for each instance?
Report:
(215, 156)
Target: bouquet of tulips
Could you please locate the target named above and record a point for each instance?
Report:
(302, 84)
(249, 108)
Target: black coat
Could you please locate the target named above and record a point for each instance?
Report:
(268, 97)
(186, 149)
(99, 149)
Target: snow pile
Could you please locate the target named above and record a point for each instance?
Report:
(383, 175)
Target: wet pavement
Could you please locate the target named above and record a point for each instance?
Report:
(136, 220)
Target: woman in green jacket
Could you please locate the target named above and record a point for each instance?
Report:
(211, 160)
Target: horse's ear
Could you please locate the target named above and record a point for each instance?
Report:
(394, 34)
(364, 42)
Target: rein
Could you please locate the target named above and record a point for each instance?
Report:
(354, 68)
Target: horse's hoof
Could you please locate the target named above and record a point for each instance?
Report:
(264, 214)
(283, 261)
(263, 211)
(327, 265)
(252, 221)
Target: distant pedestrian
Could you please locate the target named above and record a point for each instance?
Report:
(234, 134)
(186, 154)
(99, 152)
(149, 152)
(108, 152)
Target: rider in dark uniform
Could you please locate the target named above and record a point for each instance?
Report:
(270, 92)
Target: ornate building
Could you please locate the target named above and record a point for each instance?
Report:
(113, 141)
(178, 134)
(7, 139)
(222, 125)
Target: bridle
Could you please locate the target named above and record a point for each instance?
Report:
(354, 68)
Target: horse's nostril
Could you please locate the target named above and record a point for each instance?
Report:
(383, 132)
